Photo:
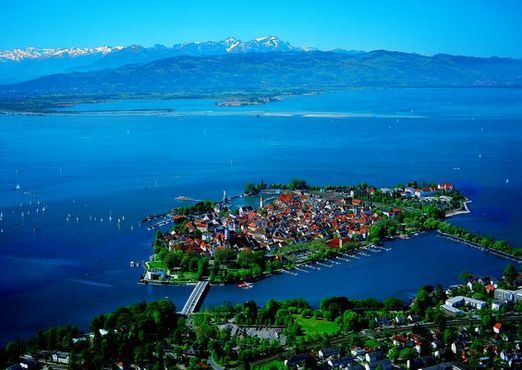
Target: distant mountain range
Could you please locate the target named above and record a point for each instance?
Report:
(23, 64)
(264, 65)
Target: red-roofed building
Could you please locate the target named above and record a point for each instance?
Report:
(490, 288)
(445, 186)
(285, 198)
(335, 243)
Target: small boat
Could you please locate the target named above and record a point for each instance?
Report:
(17, 187)
(132, 264)
(146, 219)
(245, 285)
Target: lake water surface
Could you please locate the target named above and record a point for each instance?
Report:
(56, 269)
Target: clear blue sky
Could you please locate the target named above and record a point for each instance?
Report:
(479, 27)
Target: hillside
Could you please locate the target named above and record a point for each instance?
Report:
(278, 72)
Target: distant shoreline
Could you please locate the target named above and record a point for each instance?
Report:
(207, 113)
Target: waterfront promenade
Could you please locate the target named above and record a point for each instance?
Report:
(480, 247)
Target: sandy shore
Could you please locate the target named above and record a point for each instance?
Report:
(208, 113)
(461, 212)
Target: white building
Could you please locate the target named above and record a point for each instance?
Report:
(508, 295)
(60, 357)
(451, 305)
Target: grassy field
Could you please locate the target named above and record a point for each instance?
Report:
(185, 276)
(274, 364)
(313, 326)
(156, 265)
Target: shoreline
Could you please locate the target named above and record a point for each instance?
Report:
(347, 256)
(460, 212)
(209, 113)
(479, 247)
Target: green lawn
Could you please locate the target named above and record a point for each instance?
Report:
(372, 343)
(185, 276)
(156, 265)
(274, 364)
(313, 326)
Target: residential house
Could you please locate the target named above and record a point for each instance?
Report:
(60, 357)
(326, 353)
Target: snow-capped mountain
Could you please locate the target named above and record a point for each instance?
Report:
(17, 55)
(233, 45)
(22, 64)
(262, 44)
(229, 45)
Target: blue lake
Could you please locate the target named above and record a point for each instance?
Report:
(58, 271)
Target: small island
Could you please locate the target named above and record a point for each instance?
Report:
(247, 101)
(296, 224)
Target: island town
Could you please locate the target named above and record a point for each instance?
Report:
(296, 226)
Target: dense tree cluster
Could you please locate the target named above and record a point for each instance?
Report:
(133, 334)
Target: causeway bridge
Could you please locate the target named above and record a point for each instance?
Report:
(195, 297)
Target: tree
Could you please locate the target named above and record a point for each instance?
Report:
(465, 276)
(334, 306)
(298, 184)
(393, 304)
(422, 301)
(407, 354)
(351, 321)
(393, 353)
(173, 259)
(13, 350)
(449, 336)
(510, 274)
(377, 231)
(486, 321)
(250, 189)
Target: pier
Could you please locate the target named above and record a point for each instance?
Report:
(195, 298)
